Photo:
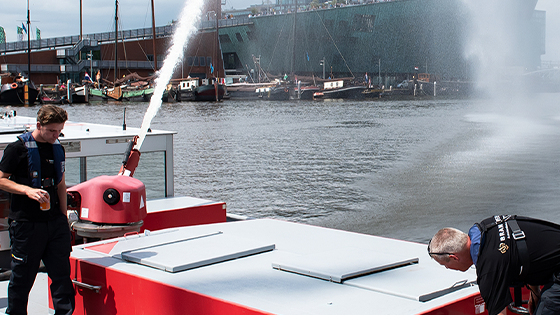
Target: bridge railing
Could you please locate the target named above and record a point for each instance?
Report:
(161, 31)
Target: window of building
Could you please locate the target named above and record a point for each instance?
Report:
(225, 39)
(363, 22)
(251, 36)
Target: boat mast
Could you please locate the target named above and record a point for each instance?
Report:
(217, 48)
(28, 44)
(154, 37)
(81, 21)
(294, 37)
(116, 38)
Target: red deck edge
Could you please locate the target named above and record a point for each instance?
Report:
(125, 294)
(205, 214)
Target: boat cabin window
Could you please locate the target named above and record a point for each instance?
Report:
(150, 170)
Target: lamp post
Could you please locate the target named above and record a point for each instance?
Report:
(379, 74)
(322, 63)
(90, 58)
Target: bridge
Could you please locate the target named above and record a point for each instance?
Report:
(100, 38)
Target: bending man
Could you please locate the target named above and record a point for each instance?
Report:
(506, 251)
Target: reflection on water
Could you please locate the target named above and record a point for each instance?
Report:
(400, 169)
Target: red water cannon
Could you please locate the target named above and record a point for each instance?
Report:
(131, 158)
(109, 200)
(110, 206)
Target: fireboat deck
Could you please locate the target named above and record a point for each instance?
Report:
(266, 266)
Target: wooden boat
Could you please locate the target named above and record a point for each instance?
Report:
(209, 92)
(274, 93)
(191, 89)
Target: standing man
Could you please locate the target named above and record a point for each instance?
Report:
(507, 251)
(32, 170)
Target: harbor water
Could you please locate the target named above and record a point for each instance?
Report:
(395, 168)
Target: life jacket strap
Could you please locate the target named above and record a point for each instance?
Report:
(518, 236)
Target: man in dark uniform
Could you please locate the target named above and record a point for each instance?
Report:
(32, 170)
(506, 250)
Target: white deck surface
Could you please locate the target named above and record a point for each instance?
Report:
(252, 281)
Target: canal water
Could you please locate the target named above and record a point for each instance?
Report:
(395, 168)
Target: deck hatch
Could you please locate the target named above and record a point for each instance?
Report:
(418, 282)
(342, 264)
(180, 255)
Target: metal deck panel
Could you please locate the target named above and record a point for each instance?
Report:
(340, 264)
(412, 281)
(196, 252)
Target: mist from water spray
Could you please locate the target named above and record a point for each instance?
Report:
(499, 45)
(186, 27)
(493, 43)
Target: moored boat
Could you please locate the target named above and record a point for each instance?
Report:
(306, 92)
(338, 90)
(15, 93)
(274, 93)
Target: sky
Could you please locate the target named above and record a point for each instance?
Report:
(62, 17)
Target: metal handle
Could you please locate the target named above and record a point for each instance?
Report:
(517, 309)
(95, 288)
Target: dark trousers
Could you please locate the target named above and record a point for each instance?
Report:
(549, 303)
(32, 242)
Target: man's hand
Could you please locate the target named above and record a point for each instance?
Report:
(37, 194)
(534, 298)
(12, 187)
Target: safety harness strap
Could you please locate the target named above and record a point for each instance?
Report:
(518, 236)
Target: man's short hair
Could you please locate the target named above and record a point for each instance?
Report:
(447, 241)
(51, 114)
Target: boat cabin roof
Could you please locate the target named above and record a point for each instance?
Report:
(83, 140)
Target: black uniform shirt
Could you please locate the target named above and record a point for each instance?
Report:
(14, 162)
(499, 264)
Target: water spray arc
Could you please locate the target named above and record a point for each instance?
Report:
(186, 27)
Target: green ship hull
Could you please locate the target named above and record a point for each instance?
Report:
(389, 40)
